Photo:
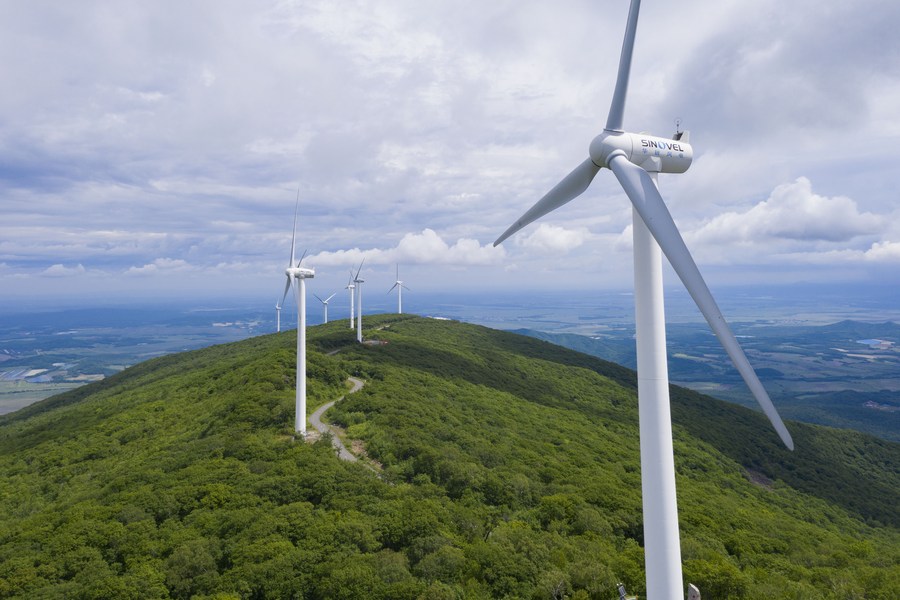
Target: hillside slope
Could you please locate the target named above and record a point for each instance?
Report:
(814, 374)
(509, 468)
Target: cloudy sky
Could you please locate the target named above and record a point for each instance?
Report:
(158, 147)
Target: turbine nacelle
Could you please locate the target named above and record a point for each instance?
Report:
(651, 153)
(300, 272)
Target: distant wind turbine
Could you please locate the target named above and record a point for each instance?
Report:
(297, 276)
(635, 160)
(359, 309)
(400, 287)
(351, 286)
(277, 316)
(325, 304)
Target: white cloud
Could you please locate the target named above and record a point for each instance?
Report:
(792, 212)
(425, 248)
(428, 247)
(161, 266)
(625, 240)
(884, 252)
(551, 238)
(60, 270)
(877, 253)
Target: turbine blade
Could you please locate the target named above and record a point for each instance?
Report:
(287, 287)
(301, 258)
(617, 108)
(359, 269)
(573, 185)
(294, 231)
(645, 197)
(319, 299)
(330, 297)
(392, 288)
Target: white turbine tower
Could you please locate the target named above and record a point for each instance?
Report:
(400, 287)
(635, 160)
(352, 287)
(298, 275)
(325, 304)
(359, 283)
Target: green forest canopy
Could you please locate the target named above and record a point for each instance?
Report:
(507, 468)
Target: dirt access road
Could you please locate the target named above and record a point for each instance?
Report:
(316, 420)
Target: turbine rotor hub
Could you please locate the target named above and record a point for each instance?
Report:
(606, 143)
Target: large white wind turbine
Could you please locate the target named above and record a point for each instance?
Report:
(352, 287)
(359, 283)
(635, 160)
(298, 275)
(400, 287)
(325, 304)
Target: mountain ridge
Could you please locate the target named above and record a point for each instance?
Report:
(812, 373)
(509, 470)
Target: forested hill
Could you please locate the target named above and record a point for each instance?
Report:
(498, 466)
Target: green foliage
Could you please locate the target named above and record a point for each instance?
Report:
(510, 469)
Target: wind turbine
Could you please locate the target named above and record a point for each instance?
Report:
(359, 283)
(400, 287)
(298, 275)
(277, 316)
(325, 304)
(352, 287)
(635, 160)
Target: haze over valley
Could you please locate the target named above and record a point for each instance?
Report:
(806, 342)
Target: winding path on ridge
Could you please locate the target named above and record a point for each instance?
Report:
(316, 420)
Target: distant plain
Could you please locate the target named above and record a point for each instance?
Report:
(806, 342)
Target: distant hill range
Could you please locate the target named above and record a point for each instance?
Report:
(494, 465)
(845, 374)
